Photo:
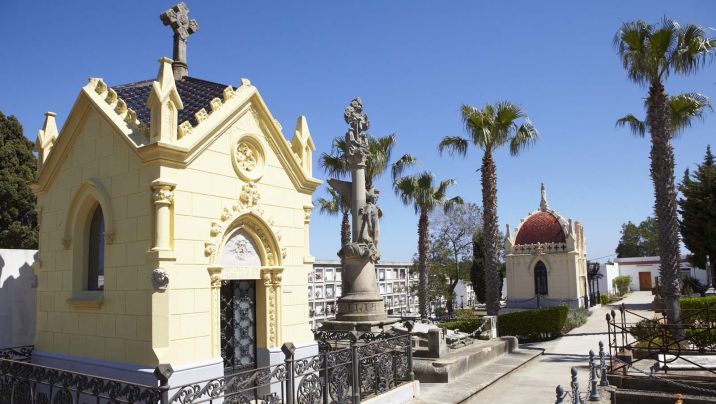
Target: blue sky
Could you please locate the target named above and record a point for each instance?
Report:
(413, 63)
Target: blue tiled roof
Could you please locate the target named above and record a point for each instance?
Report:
(194, 93)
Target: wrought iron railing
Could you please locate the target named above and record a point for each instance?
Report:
(27, 383)
(634, 338)
(368, 365)
(17, 353)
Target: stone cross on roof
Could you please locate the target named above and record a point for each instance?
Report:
(178, 18)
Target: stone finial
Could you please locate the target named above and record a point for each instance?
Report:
(177, 18)
(302, 143)
(46, 138)
(163, 103)
(543, 199)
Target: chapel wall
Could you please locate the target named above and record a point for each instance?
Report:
(119, 330)
(207, 186)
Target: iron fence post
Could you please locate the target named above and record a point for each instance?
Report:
(603, 381)
(593, 389)
(288, 349)
(560, 395)
(326, 391)
(409, 326)
(575, 387)
(353, 335)
(163, 372)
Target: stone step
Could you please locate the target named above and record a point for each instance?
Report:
(460, 361)
(462, 388)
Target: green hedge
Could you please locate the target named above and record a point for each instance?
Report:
(622, 283)
(604, 300)
(462, 325)
(536, 324)
(693, 309)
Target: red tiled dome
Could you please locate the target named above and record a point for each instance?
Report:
(541, 227)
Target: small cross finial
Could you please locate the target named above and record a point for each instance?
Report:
(177, 18)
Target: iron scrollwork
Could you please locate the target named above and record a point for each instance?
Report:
(22, 382)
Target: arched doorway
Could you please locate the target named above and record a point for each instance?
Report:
(238, 304)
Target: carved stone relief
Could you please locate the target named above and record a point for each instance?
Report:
(160, 279)
(240, 251)
(248, 158)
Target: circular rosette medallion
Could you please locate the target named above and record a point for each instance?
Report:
(248, 158)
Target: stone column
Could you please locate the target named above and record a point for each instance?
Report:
(272, 277)
(357, 198)
(163, 197)
(215, 277)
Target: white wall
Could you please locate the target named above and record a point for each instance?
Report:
(609, 272)
(632, 267)
(18, 297)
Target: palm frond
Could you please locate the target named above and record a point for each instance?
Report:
(637, 127)
(631, 42)
(451, 203)
(404, 162)
(525, 136)
(693, 49)
(687, 108)
(334, 165)
(454, 145)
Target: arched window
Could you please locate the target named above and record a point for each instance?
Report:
(95, 248)
(540, 279)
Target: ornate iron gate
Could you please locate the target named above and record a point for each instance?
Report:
(238, 325)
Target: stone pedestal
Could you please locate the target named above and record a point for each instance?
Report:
(361, 307)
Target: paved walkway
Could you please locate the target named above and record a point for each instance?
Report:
(535, 382)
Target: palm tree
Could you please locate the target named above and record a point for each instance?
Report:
(684, 109)
(336, 205)
(649, 54)
(381, 149)
(490, 128)
(424, 195)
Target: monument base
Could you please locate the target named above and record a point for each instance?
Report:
(360, 326)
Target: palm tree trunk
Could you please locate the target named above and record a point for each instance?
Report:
(489, 217)
(423, 251)
(662, 175)
(345, 229)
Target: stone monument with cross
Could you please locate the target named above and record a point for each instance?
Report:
(360, 307)
(177, 18)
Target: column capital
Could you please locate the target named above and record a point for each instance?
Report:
(163, 191)
(215, 275)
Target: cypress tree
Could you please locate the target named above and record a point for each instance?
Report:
(18, 219)
(477, 271)
(697, 207)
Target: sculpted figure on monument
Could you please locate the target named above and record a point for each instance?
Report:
(370, 219)
(355, 138)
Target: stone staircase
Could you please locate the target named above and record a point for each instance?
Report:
(463, 372)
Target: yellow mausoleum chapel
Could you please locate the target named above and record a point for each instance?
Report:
(174, 228)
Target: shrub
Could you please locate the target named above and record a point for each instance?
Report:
(702, 338)
(622, 283)
(465, 314)
(692, 285)
(536, 324)
(467, 326)
(576, 318)
(698, 309)
(604, 300)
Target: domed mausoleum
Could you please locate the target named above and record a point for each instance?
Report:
(546, 259)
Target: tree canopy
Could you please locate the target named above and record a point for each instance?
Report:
(18, 219)
(697, 207)
(638, 241)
